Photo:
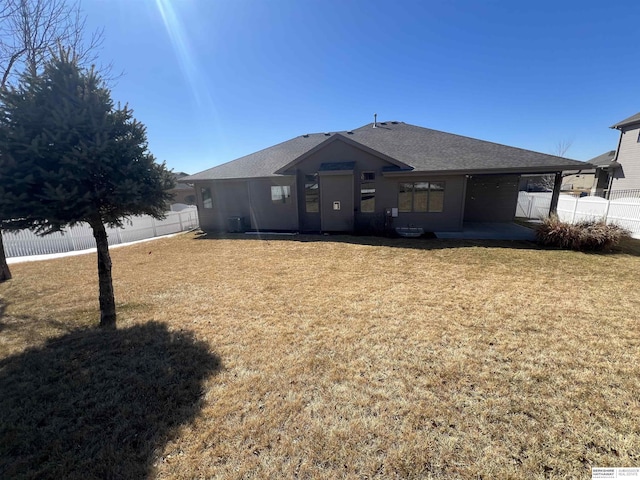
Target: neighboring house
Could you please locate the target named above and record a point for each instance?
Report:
(183, 192)
(377, 177)
(627, 176)
(605, 169)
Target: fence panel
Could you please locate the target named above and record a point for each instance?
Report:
(626, 213)
(80, 237)
(591, 208)
(533, 204)
(622, 211)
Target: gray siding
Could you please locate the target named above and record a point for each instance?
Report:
(450, 219)
(491, 198)
(250, 200)
(365, 162)
(628, 177)
(267, 215)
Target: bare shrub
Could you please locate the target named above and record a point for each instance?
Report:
(585, 236)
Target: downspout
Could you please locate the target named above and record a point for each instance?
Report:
(611, 171)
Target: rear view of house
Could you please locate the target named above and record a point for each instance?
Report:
(372, 179)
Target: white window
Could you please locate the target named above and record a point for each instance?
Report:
(281, 194)
(207, 199)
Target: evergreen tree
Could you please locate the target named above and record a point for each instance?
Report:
(68, 155)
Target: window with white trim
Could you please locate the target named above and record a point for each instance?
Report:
(280, 193)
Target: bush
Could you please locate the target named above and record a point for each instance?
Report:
(586, 236)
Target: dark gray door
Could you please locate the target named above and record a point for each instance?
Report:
(336, 202)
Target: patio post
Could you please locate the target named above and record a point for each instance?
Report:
(553, 208)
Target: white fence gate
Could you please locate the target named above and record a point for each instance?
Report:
(80, 237)
(621, 211)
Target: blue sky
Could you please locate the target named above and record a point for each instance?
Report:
(217, 79)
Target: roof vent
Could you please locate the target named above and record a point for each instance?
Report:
(306, 135)
(383, 123)
(395, 123)
(375, 120)
(327, 134)
(349, 132)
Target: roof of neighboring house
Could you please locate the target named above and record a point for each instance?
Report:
(408, 146)
(604, 159)
(627, 121)
(178, 176)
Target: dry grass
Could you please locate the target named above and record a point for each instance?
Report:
(341, 358)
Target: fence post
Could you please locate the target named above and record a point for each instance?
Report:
(575, 207)
(153, 224)
(180, 220)
(70, 240)
(606, 212)
(118, 235)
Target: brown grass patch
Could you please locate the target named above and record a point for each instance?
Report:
(353, 357)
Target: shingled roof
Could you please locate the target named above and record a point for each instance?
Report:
(604, 159)
(627, 121)
(421, 149)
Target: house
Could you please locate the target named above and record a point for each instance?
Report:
(182, 192)
(627, 176)
(369, 180)
(605, 168)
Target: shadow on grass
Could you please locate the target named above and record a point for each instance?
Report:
(3, 306)
(99, 404)
(421, 243)
(627, 246)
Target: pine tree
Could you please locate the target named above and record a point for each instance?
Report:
(70, 156)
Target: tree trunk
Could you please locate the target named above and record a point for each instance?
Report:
(107, 299)
(5, 273)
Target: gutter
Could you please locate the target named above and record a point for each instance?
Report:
(496, 171)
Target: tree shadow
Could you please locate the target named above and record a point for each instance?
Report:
(3, 306)
(99, 404)
(426, 242)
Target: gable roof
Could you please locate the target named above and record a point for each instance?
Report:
(604, 159)
(627, 121)
(420, 149)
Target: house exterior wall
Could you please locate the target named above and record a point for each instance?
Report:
(229, 199)
(491, 198)
(578, 181)
(250, 200)
(628, 176)
(449, 220)
(364, 162)
(265, 214)
(386, 194)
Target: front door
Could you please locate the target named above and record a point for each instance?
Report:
(336, 202)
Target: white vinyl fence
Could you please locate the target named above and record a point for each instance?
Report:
(80, 237)
(621, 211)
